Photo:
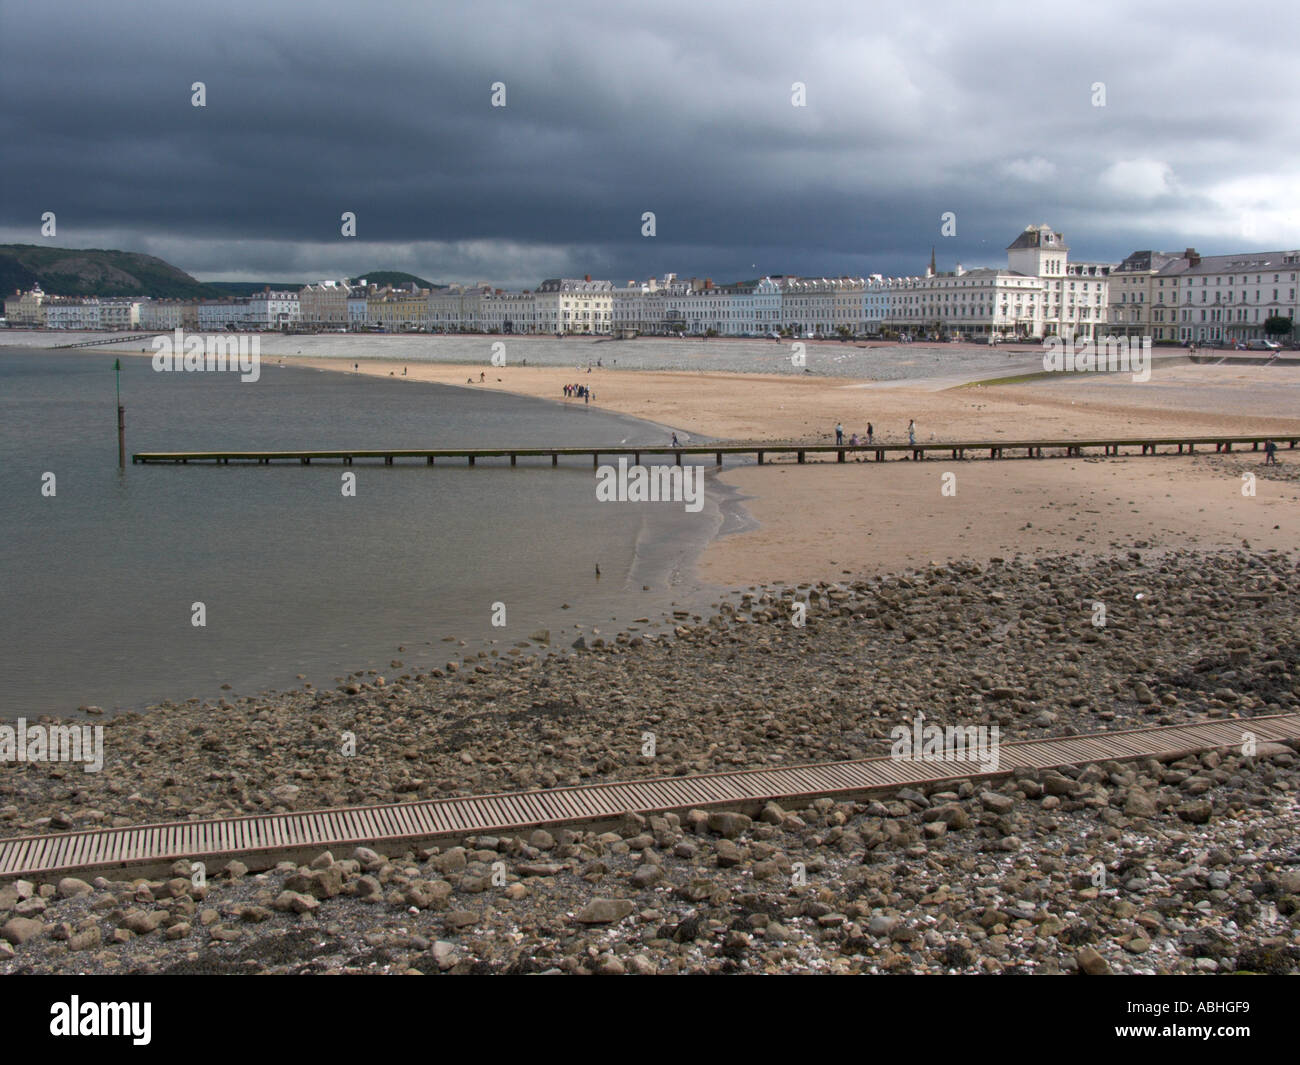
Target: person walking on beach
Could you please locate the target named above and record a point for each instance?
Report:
(839, 433)
(911, 431)
(871, 431)
(482, 376)
(586, 396)
(674, 439)
(1270, 453)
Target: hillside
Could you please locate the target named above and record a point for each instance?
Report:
(394, 277)
(105, 272)
(93, 272)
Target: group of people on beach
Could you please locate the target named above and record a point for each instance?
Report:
(870, 438)
(581, 392)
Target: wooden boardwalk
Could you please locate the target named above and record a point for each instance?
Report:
(995, 449)
(261, 841)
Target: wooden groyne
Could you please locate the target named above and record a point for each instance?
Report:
(993, 449)
(259, 841)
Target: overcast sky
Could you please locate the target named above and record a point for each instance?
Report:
(914, 109)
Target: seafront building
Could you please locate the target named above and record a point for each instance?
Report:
(1190, 298)
(1039, 294)
(324, 305)
(1168, 296)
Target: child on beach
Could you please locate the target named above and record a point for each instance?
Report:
(1270, 453)
(911, 431)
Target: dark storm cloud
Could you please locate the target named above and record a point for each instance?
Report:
(685, 110)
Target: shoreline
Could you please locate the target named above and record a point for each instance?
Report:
(1012, 642)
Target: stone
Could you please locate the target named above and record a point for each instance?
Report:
(729, 853)
(604, 911)
(1092, 963)
(647, 875)
(87, 939)
(444, 954)
(295, 902)
(728, 824)
(18, 930)
(1196, 813)
(1139, 804)
(142, 922)
(70, 887)
(997, 802)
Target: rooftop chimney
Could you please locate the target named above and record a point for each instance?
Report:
(586, 277)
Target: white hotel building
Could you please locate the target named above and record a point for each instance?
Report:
(1040, 294)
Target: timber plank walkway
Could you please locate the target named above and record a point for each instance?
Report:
(995, 449)
(259, 841)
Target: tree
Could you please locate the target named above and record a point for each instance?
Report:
(1277, 325)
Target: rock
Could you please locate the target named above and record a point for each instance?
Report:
(1092, 963)
(605, 911)
(727, 824)
(1057, 784)
(368, 859)
(647, 875)
(326, 883)
(1196, 813)
(88, 939)
(729, 854)
(18, 930)
(997, 802)
(640, 965)
(1139, 804)
(142, 922)
(881, 925)
(444, 954)
(541, 636)
(459, 919)
(70, 887)
(539, 869)
(295, 902)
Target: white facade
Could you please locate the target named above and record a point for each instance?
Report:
(66, 312)
(214, 316)
(566, 305)
(273, 310)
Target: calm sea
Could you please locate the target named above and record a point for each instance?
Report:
(101, 578)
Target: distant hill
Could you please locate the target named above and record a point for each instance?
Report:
(222, 289)
(394, 277)
(93, 272)
(104, 272)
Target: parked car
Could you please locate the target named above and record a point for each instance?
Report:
(1263, 345)
(771, 336)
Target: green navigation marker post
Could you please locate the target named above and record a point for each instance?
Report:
(121, 417)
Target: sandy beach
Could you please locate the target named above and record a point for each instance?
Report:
(821, 522)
